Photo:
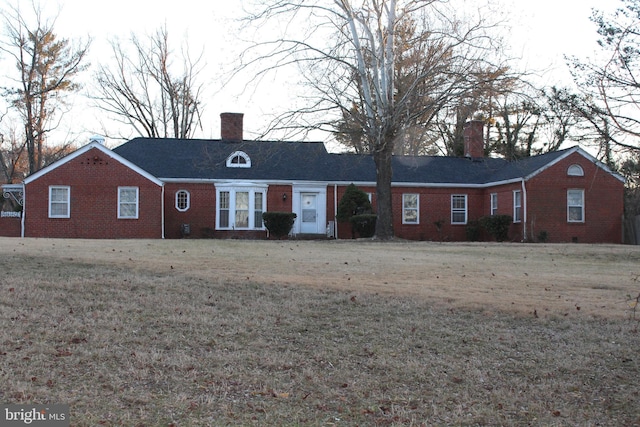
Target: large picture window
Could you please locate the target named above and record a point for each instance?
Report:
(458, 209)
(59, 202)
(575, 205)
(127, 202)
(410, 210)
(240, 208)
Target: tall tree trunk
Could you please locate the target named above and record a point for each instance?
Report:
(384, 173)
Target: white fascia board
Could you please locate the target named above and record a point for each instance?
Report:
(600, 164)
(432, 185)
(241, 181)
(85, 149)
(584, 154)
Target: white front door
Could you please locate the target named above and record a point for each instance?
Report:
(309, 210)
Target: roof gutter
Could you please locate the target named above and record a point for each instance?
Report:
(24, 212)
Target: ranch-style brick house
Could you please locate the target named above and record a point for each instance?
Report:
(173, 188)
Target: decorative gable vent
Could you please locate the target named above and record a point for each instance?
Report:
(239, 159)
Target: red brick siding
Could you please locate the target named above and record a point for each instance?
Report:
(201, 215)
(505, 207)
(544, 207)
(604, 201)
(435, 206)
(93, 179)
(275, 200)
(10, 227)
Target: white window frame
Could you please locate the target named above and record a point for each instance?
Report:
(406, 209)
(66, 202)
(575, 170)
(239, 155)
(187, 200)
(494, 203)
(458, 210)
(233, 190)
(573, 206)
(122, 203)
(517, 206)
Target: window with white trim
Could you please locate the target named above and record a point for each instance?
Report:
(59, 202)
(239, 159)
(183, 200)
(494, 203)
(458, 209)
(127, 202)
(575, 170)
(410, 208)
(257, 211)
(240, 208)
(575, 205)
(517, 206)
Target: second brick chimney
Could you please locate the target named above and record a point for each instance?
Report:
(231, 126)
(474, 139)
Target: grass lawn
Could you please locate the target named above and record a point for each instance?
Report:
(322, 333)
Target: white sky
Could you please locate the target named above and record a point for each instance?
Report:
(542, 32)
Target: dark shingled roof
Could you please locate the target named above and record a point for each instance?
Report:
(206, 159)
(194, 159)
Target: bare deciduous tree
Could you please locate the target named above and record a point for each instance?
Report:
(351, 56)
(610, 82)
(46, 69)
(142, 90)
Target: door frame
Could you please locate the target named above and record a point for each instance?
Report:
(321, 207)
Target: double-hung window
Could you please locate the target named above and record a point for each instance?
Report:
(575, 205)
(127, 202)
(458, 209)
(517, 206)
(59, 202)
(240, 207)
(410, 208)
(494, 203)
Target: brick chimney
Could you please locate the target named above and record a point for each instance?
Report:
(474, 139)
(231, 126)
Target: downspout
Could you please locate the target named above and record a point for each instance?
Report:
(335, 211)
(24, 205)
(162, 210)
(524, 211)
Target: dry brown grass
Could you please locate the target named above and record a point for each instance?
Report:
(209, 332)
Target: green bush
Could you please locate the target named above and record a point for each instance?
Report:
(472, 231)
(279, 224)
(543, 236)
(497, 226)
(364, 225)
(353, 202)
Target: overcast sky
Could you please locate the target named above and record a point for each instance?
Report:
(542, 31)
